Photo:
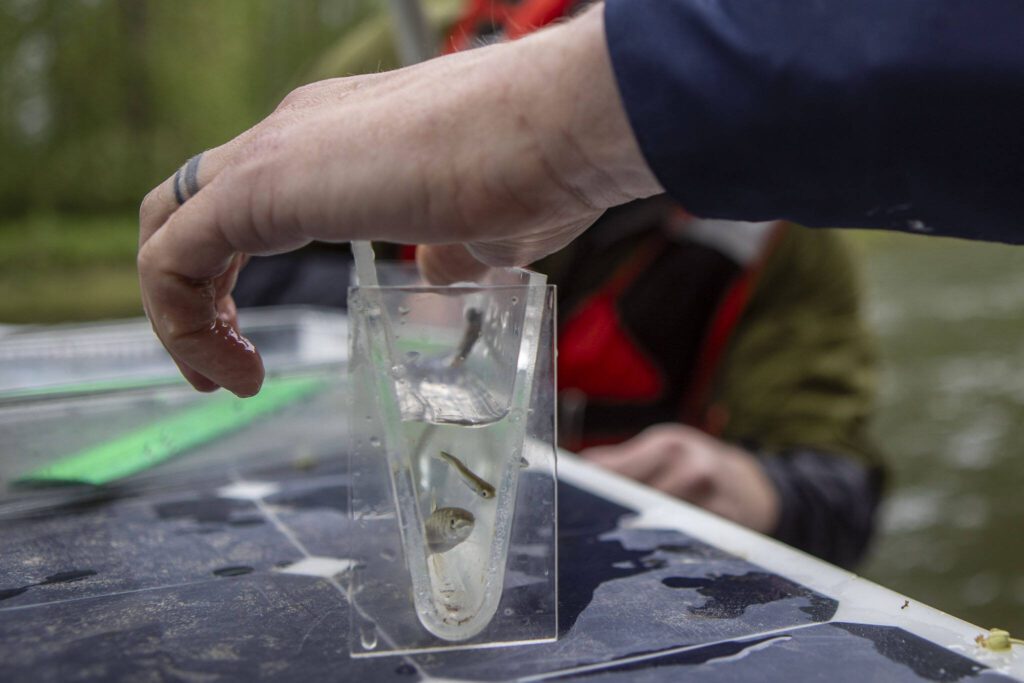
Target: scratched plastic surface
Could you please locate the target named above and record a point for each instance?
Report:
(40, 361)
(65, 388)
(468, 373)
(195, 583)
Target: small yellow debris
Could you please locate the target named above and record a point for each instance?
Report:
(998, 640)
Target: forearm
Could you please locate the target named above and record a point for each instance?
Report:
(586, 132)
(877, 113)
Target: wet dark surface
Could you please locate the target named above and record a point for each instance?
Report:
(836, 652)
(913, 652)
(59, 577)
(190, 586)
(728, 597)
(213, 510)
(233, 571)
(675, 658)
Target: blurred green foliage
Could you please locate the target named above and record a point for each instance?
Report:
(63, 267)
(101, 99)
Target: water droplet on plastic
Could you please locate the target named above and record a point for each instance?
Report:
(507, 611)
(368, 637)
(403, 310)
(388, 555)
(375, 442)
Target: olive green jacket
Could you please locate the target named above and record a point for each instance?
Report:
(801, 367)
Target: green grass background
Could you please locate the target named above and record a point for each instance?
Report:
(61, 267)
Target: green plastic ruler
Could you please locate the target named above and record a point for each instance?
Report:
(168, 437)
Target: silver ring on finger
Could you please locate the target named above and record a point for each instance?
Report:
(186, 180)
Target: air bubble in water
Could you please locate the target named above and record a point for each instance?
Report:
(368, 637)
(507, 611)
(412, 355)
(403, 310)
(515, 300)
(375, 442)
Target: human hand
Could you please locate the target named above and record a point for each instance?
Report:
(511, 149)
(698, 468)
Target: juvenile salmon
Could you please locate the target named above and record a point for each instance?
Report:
(448, 527)
(479, 486)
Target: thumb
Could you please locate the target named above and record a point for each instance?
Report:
(443, 264)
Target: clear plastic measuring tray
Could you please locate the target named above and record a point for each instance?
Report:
(95, 406)
(453, 463)
(71, 359)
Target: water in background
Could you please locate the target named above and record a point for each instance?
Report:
(949, 315)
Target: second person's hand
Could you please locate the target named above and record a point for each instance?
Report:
(689, 464)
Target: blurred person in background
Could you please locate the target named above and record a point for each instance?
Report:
(724, 363)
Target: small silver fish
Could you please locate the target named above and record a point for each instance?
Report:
(474, 325)
(479, 486)
(448, 527)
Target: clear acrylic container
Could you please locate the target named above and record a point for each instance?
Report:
(452, 463)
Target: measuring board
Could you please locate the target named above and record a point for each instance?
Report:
(238, 576)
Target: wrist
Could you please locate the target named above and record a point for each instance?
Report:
(574, 106)
(758, 501)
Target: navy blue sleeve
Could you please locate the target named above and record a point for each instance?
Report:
(899, 114)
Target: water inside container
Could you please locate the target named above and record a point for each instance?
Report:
(445, 375)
